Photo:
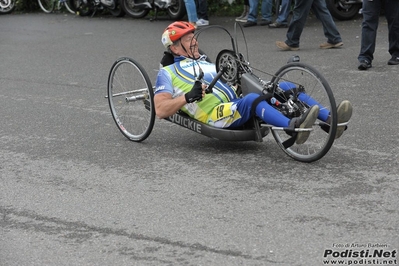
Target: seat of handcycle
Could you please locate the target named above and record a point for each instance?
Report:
(250, 131)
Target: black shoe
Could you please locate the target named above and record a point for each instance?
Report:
(394, 60)
(249, 24)
(264, 22)
(277, 25)
(364, 65)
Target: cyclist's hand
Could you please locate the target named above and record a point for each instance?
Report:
(196, 93)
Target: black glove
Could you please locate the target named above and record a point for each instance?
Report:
(195, 94)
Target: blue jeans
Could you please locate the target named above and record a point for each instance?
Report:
(371, 12)
(284, 12)
(301, 12)
(266, 10)
(191, 10)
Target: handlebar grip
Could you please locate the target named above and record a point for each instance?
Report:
(215, 79)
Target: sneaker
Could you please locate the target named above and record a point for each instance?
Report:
(364, 65)
(265, 22)
(328, 45)
(394, 60)
(249, 24)
(243, 19)
(277, 25)
(344, 114)
(283, 46)
(305, 121)
(202, 22)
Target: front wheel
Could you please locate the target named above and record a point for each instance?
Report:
(314, 89)
(131, 99)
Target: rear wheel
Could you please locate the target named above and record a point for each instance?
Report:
(131, 99)
(314, 89)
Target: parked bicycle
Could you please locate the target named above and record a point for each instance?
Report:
(48, 6)
(7, 6)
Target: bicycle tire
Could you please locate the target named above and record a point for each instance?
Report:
(67, 7)
(47, 5)
(131, 99)
(316, 87)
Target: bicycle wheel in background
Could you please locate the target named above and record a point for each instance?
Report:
(317, 88)
(131, 99)
(47, 5)
(62, 3)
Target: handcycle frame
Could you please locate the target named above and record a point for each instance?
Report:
(234, 69)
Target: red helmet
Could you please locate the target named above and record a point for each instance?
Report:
(175, 31)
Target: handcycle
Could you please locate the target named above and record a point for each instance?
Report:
(131, 100)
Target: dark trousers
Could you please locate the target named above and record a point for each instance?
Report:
(202, 9)
(301, 12)
(371, 13)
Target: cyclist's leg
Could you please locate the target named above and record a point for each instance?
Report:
(263, 110)
(323, 113)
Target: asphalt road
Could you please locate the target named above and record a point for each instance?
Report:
(74, 191)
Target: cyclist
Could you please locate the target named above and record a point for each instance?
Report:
(176, 89)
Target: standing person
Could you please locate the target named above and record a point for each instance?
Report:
(266, 12)
(371, 12)
(245, 12)
(295, 28)
(191, 12)
(283, 13)
(202, 13)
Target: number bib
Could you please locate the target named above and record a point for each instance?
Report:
(223, 115)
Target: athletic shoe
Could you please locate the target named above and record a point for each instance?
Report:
(249, 24)
(283, 46)
(328, 45)
(265, 22)
(364, 65)
(344, 114)
(202, 22)
(394, 60)
(305, 121)
(277, 25)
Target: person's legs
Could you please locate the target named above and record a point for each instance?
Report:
(191, 11)
(284, 12)
(323, 14)
(301, 12)
(344, 109)
(371, 12)
(272, 116)
(202, 9)
(263, 110)
(391, 14)
(266, 10)
(253, 10)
